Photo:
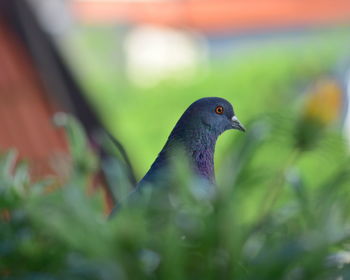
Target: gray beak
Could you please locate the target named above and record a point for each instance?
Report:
(236, 124)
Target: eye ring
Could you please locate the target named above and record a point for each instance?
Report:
(219, 110)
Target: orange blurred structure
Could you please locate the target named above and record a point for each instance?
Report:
(216, 15)
(35, 83)
(26, 109)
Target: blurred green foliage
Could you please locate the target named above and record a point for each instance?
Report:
(269, 219)
(281, 210)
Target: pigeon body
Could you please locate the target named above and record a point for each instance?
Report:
(196, 132)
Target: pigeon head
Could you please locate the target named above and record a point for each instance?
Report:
(211, 115)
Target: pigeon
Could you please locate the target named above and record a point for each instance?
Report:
(196, 133)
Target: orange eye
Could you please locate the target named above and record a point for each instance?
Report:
(219, 110)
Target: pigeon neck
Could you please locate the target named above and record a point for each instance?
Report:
(199, 141)
(202, 147)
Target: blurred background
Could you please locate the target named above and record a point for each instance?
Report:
(134, 66)
(130, 68)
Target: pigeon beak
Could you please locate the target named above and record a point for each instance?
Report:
(236, 124)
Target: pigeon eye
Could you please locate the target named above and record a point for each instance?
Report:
(219, 110)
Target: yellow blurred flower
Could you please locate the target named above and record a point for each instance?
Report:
(322, 108)
(324, 103)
